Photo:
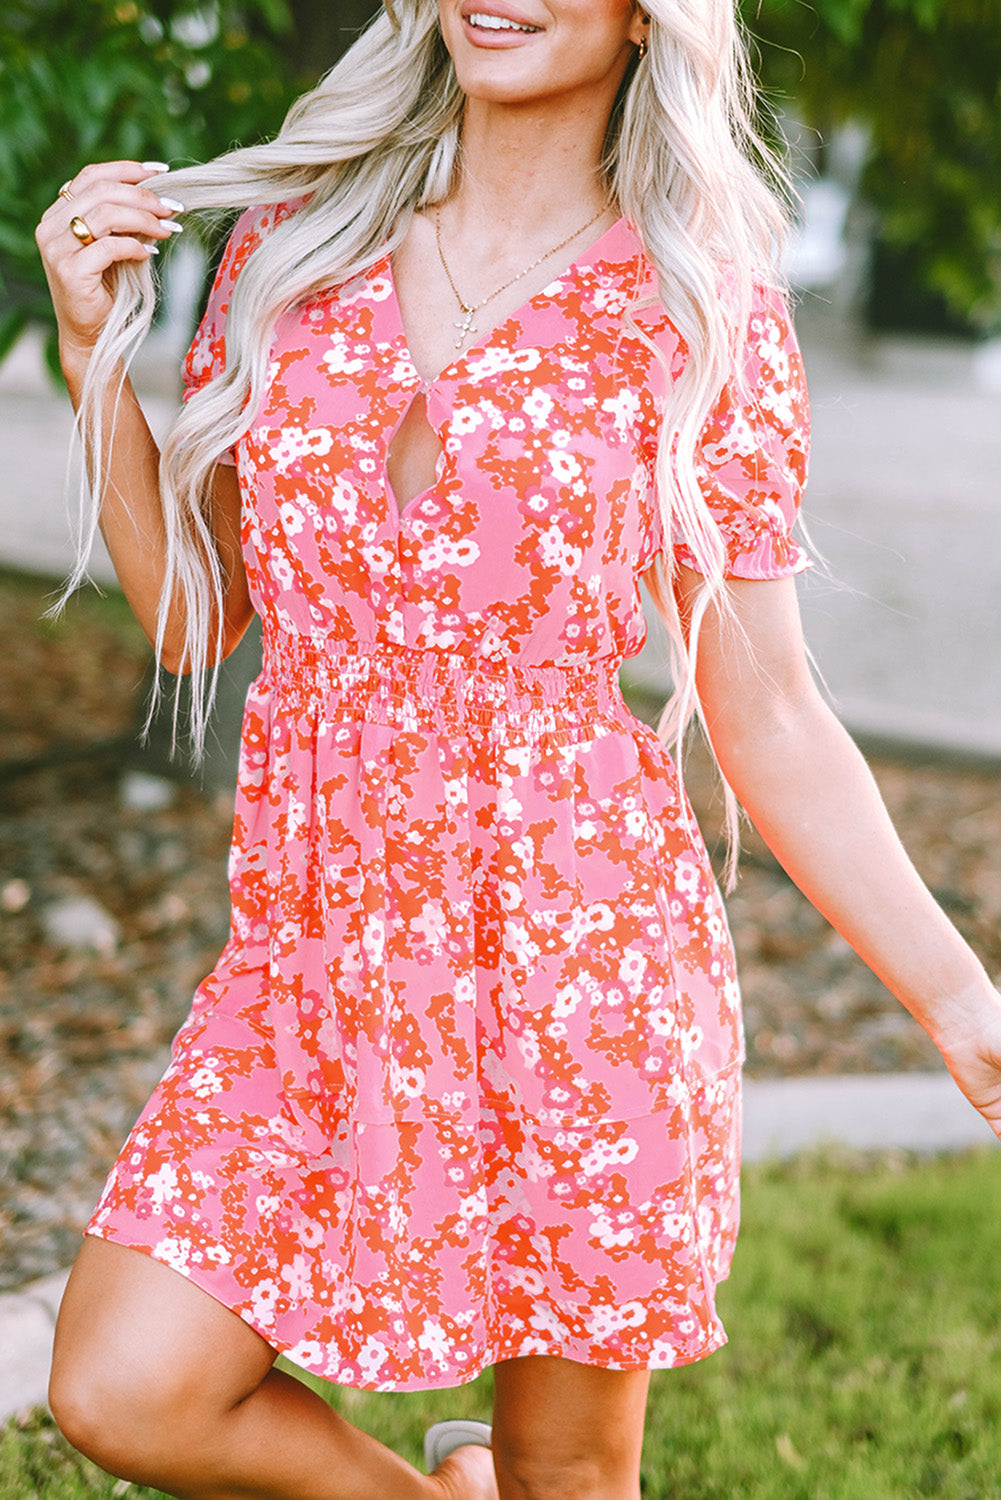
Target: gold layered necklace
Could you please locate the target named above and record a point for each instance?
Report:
(470, 309)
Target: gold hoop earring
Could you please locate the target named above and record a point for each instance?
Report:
(641, 50)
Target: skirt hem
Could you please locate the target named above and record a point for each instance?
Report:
(441, 1380)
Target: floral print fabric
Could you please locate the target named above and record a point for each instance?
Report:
(464, 1084)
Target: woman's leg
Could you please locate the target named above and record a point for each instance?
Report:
(566, 1431)
(160, 1384)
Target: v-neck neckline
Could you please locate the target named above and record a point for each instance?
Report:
(591, 254)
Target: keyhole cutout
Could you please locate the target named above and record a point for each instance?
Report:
(414, 451)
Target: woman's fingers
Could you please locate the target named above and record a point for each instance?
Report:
(103, 215)
(972, 1054)
(113, 208)
(111, 172)
(80, 293)
(104, 253)
(108, 218)
(104, 180)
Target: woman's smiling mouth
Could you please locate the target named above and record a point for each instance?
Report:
(481, 20)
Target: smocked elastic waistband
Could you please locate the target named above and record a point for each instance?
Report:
(412, 686)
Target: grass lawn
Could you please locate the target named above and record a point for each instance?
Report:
(864, 1362)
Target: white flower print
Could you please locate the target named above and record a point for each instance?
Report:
(545, 1320)
(308, 1354)
(528, 1046)
(434, 1342)
(608, 1235)
(687, 877)
(691, 1039)
(339, 362)
(205, 1082)
(537, 407)
(162, 1185)
(442, 552)
(632, 967)
(372, 1357)
(564, 466)
(609, 1154)
(374, 937)
(624, 408)
(295, 443)
(411, 1081)
(557, 553)
(465, 419)
(174, 1253)
(603, 1322)
(263, 1300)
(379, 288)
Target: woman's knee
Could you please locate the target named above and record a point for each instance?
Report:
(145, 1364)
(526, 1473)
(116, 1417)
(129, 1410)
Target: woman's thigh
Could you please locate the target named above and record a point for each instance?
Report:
(139, 1348)
(563, 1429)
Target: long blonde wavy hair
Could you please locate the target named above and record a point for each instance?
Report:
(380, 137)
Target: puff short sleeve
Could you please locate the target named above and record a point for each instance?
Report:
(206, 358)
(753, 455)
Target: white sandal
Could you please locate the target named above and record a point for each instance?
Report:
(444, 1437)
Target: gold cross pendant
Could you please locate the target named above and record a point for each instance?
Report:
(465, 325)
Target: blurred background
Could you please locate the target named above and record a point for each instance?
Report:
(112, 858)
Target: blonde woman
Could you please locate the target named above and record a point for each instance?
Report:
(497, 335)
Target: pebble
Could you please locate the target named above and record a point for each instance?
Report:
(140, 792)
(15, 895)
(80, 922)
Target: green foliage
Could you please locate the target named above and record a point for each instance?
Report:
(925, 76)
(84, 80)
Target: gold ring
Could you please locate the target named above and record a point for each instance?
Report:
(64, 191)
(81, 229)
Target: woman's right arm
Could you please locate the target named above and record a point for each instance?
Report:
(124, 216)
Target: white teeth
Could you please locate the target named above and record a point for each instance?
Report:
(497, 23)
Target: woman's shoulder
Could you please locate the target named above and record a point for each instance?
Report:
(763, 310)
(206, 356)
(254, 225)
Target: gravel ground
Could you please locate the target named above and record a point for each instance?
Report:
(111, 912)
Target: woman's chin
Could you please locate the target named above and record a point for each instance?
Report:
(496, 85)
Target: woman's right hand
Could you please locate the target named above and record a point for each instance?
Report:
(124, 216)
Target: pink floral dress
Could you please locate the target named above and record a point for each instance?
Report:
(464, 1084)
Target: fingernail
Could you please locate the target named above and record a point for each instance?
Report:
(173, 205)
(155, 166)
(153, 249)
(172, 225)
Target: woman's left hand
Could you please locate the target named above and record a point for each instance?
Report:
(810, 795)
(970, 1043)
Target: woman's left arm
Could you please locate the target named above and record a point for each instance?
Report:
(808, 791)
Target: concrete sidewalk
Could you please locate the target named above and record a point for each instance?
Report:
(865, 1111)
(27, 1319)
(36, 427)
(913, 1111)
(904, 502)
